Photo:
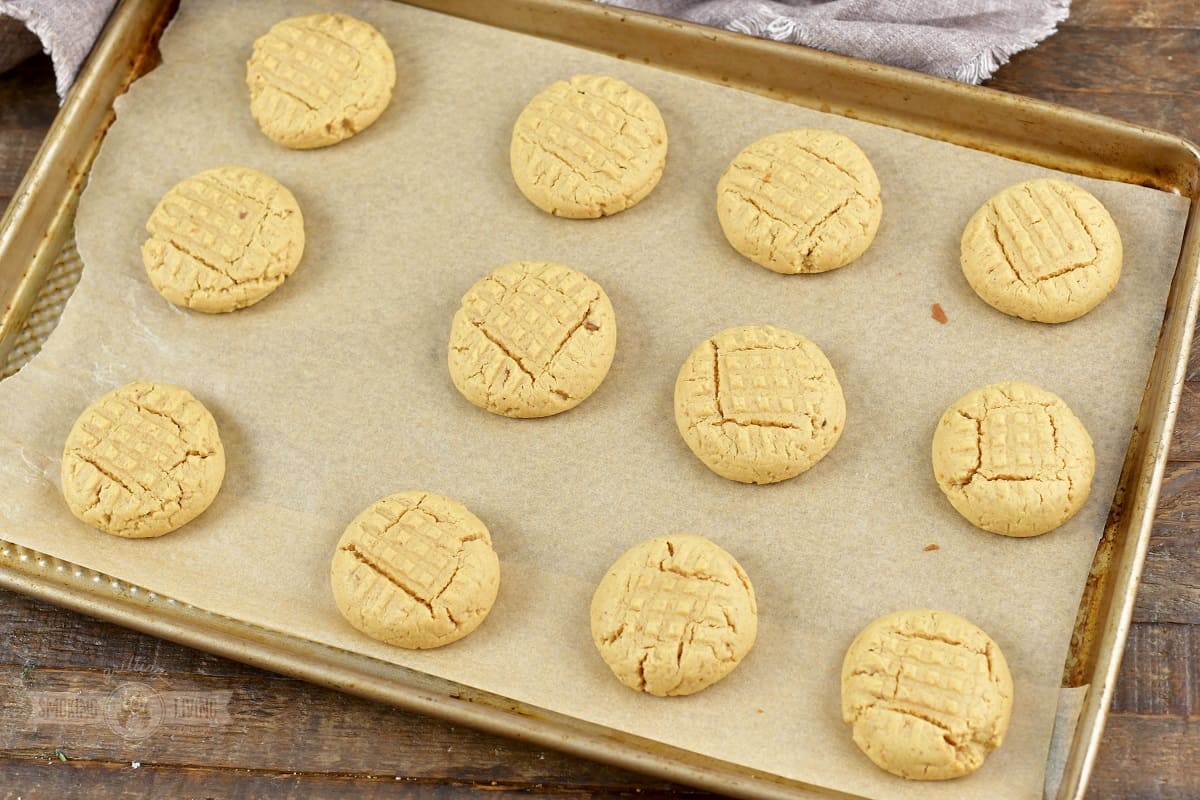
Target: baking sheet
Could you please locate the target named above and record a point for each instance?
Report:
(334, 392)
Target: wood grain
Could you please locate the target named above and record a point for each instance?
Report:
(1148, 758)
(27, 99)
(278, 725)
(1170, 590)
(1107, 60)
(1135, 14)
(1163, 662)
(1137, 60)
(121, 781)
(27, 107)
(1185, 444)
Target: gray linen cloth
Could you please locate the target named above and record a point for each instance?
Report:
(962, 39)
(66, 29)
(966, 40)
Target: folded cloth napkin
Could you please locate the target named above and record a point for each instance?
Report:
(962, 39)
(966, 40)
(66, 28)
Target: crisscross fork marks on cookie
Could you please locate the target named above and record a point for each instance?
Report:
(142, 460)
(674, 615)
(318, 79)
(532, 317)
(213, 222)
(1013, 459)
(594, 126)
(774, 387)
(309, 64)
(792, 187)
(759, 404)
(136, 447)
(588, 147)
(1044, 250)
(928, 694)
(416, 570)
(531, 339)
(223, 239)
(411, 551)
(1040, 234)
(800, 201)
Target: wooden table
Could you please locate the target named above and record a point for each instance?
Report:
(1137, 60)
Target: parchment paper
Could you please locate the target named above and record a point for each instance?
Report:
(334, 391)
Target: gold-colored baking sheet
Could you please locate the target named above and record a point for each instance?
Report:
(492, 214)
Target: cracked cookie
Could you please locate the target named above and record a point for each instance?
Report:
(1013, 459)
(223, 239)
(532, 339)
(759, 404)
(588, 147)
(803, 200)
(1043, 250)
(674, 615)
(142, 460)
(415, 570)
(318, 79)
(928, 693)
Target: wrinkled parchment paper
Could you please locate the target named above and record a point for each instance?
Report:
(334, 391)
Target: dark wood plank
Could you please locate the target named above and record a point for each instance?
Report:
(27, 98)
(1170, 588)
(1136, 60)
(39, 633)
(1160, 675)
(1185, 443)
(49, 777)
(20, 146)
(27, 107)
(271, 724)
(45, 776)
(1148, 758)
(1134, 14)
(1130, 61)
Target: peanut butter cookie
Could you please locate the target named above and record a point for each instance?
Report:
(1013, 459)
(800, 201)
(415, 570)
(928, 693)
(759, 404)
(588, 147)
(1043, 250)
(142, 461)
(532, 339)
(674, 615)
(223, 239)
(318, 79)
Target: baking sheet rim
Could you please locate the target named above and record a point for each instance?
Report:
(24, 570)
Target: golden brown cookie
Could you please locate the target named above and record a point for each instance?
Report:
(674, 615)
(1043, 250)
(318, 79)
(759, 404)
(800, 201)
(415, 570)
(1013, 459)
(223, 239)
(532, 339)
(928, 693)
(588, 147)
(142, 461)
